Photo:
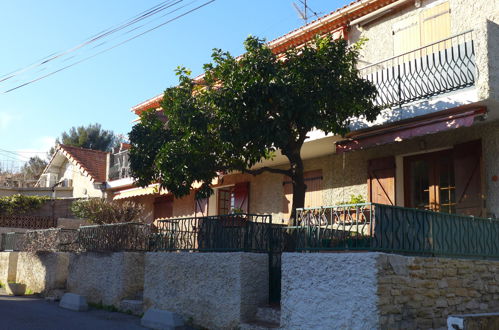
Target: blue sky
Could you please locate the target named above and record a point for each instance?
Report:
(104, 88)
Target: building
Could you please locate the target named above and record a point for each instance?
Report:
(435, 145)
(83, 171)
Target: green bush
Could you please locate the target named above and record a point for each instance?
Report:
(100, 211)
(19, 204)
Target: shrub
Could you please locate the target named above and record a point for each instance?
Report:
(19, 204)
(100, 211)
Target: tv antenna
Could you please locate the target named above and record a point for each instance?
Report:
(302, 9)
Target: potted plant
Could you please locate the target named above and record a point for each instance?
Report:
(15, 289)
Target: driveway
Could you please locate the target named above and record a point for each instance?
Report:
(33, 313)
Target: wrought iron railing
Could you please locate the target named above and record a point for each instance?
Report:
(389, 228)
(438, 68)
(129, 236)
(233, 232)
(119, 166)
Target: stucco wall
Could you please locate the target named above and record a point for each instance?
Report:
(8, 266)
(106, 278)
(383, 291)
(42, 271)
(215, 290)
(329, 291)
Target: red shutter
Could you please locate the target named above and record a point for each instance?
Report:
(381, 180)
(201, 207)
(467, 172)
(241, 196)
(163, 207)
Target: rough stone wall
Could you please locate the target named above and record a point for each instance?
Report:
(214, 290)
(42, 271)
(8, 266)
(329, 291)
(107, 278)
(419, 293)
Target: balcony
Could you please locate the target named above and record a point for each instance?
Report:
(119, 166)
(386, 228)
(444, 66)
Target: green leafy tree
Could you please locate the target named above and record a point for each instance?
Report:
(89, 137)
(33, 168)
(246, 109)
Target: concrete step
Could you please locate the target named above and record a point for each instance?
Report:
(135, 307)
(258, 325)
(269, 314)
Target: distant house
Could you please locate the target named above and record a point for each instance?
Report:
(83, 170)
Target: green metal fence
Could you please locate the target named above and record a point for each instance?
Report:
(388, 228)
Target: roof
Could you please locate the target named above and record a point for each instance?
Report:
(337, 19)
(94, 162)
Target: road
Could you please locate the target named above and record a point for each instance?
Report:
(33, 313)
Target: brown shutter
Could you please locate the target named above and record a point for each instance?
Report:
(381, 180)
(313, 194)
(467, 171)
(201, 207)
(163, 207)
(241, 196)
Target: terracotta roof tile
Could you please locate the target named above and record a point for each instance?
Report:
(94, 162)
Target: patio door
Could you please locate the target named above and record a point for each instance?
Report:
(446, 181)
(430, 182)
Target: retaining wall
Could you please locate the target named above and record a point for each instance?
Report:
(214, 290)
(8, 266)
(42, 271)
(107, 278)
(381, 291)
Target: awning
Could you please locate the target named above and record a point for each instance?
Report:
(136, 192)
(408, 129)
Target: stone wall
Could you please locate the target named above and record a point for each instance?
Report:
(8, 266)
(383, 291)
(214, 290)
(42, 271)
(107, 278)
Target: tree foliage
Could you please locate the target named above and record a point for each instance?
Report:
(100, 211)
(247, 108)
(20, 204)
(89, 137)
(33, 168)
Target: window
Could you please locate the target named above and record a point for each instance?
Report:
(430, 182)
(426, 27)
(226, 200)
(234, 198)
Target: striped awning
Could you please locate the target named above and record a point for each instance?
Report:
(136, 192)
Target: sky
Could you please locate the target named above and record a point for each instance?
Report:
(105, 87)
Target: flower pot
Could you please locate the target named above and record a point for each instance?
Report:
(15, 289)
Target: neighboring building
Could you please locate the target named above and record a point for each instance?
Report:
(83, 170)
(434, 146)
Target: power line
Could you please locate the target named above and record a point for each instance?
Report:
(114, 46)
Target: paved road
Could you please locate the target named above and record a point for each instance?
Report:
(32, 313)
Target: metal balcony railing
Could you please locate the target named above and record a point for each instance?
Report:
(438, 68)
(119, 166)
(387, 228)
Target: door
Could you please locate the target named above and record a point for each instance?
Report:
(381, 180)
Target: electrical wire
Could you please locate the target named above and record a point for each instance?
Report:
(114, 46)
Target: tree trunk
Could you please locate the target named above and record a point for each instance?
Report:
(299, 186)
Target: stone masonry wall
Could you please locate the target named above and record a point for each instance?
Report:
(42, 271)
(373, 290)
(419, 293)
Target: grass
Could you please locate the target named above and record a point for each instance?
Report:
(109, 308)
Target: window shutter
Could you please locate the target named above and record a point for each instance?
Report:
(241, 196)
(201, 207)
(467, 169)
(406, 35)
(435, 24)
(381, 180)
(313, 194)
(163, 207)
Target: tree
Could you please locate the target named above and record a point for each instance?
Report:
(246, 109)
(90, 137)
(33, 168)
